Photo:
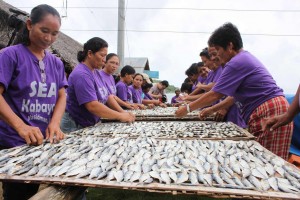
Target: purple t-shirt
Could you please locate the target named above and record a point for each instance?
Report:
(84, 86)
(173, 100)
(32, 100)
(194, 85)
(108, 81)
(201, 79)
(147, 96)
(213, 76)
(137, 94)
(234, 115)
(246, 79)
(123, 92)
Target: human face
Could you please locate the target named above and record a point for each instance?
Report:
(223, 54)
(204, 71)
(207, 62)
(161, 86)
(97, 59)
(214, 56)
(193, 77)
(112, 65)
(128, 78)
(43, 33)
(137, 81)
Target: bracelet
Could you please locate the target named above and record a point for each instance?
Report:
(188, 108)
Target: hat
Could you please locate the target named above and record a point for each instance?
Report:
(146, 77)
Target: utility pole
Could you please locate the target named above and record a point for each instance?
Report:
(121, 32)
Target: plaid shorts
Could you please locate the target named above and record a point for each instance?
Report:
(278, 141)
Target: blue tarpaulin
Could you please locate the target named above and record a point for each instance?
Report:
(295, 145)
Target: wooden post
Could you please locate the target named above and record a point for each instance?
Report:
(57, 193)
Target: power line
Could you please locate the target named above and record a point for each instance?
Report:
(196, 9)
(182, 32)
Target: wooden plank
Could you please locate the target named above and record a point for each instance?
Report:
(158, 187)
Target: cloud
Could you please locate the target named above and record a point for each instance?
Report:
(172, 53)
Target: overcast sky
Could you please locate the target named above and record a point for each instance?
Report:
(172, 38)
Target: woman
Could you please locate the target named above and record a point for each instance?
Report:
(225, 110)
(87, 94)
(147, 99)
(123, 91)
(136, 90)
(32, 91)
(247, 80)
(110, 67)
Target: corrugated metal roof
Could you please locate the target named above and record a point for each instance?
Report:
(139, 64)
(65, 46)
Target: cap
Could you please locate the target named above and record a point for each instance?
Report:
(146, 77)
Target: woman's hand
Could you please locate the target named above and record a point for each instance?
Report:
(220, 115)
(130, 106)
(272, 123)
(53, 133)
(204, 113)
(162, 105)
(151, 105)
(142, 106)
(181, 111)
(32, 135)
(127, 117)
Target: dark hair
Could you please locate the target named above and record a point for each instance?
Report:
(110, 55)
(200, 64)
(205, 53)
(116, 78)
(165, 83)
(146, 86)
(37, 14)
(187, 80)
(127, 69)
(94, 44)
(186, 87)
(225, 34)
(2, 46)
(193, 69)
(138, 74)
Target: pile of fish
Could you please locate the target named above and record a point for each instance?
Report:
(225, 164)
(159, 111)
(166, 129)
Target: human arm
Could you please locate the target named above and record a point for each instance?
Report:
(156, 96)
(196, 91)
(205, 100)
(54, 125)
(205, 87)
(32, 135)
(281, 120)
(103, 111)
(113, 104)
(220, 109)
(190, 97)
(124, 103)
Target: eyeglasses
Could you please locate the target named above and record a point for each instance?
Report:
(43, 72)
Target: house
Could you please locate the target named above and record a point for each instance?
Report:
(65, 47)
(141, 65)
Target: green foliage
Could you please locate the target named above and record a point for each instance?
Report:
(118, 194)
